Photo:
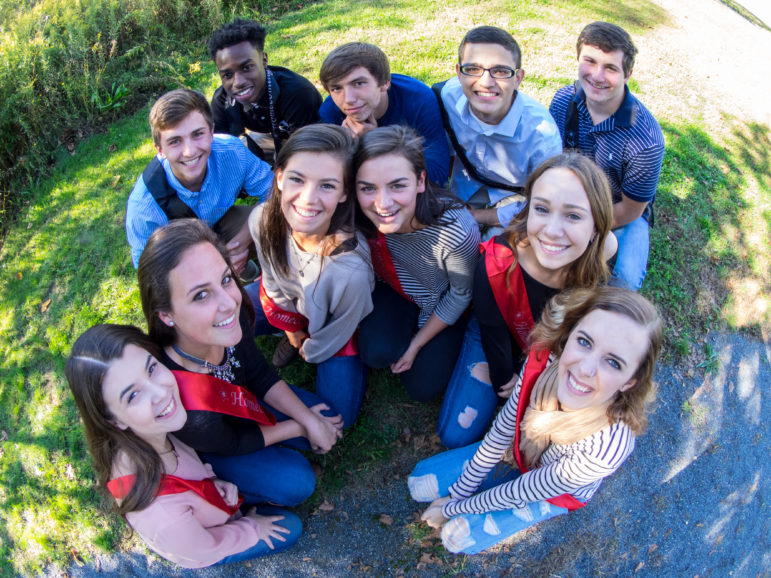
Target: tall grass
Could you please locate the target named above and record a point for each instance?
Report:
(70, 65)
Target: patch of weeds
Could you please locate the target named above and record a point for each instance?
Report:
(711, 362)
(696, 413)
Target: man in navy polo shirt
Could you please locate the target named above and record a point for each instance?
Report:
(600, 117)
(363, 94)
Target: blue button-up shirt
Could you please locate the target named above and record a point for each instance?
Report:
(230, 168)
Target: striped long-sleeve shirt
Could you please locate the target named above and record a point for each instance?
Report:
(576, 469)
(435, 265)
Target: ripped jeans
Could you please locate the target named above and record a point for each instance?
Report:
(470, 402)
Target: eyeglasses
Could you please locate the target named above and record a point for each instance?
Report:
(498, 72)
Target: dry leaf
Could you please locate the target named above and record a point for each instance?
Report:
(639, 567)
(112, 148)
(115, 180)
(306, 559)
(651, 548)
(3, 436)
(326, 507)
(45, 305)
(386, 519)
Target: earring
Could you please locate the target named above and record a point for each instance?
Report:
(171, 324)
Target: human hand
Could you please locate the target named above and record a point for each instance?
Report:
(321, 433)
(238, 248)
(335, 420)
(296, 338)
(406, 360)
(507, 388)
(267, 528)
(228, 491)
(359, 127)
(433, 515)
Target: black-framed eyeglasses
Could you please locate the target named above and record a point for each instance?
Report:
(498, 72)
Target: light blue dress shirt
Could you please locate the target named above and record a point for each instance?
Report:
(507, 152)
(230, 168)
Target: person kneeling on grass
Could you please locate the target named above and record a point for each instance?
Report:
(571, 421)
(130, 404)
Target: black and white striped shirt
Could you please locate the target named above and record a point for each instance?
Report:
(576, 469)
(435, 265)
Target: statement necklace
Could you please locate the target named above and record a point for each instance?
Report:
(224, 371)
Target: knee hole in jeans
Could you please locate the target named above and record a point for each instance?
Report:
(481, 372)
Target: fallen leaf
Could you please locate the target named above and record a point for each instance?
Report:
(45, 305)
(639, 567)
(115, 180)
(112, 148)
(306, 559)
(3, 436)
(386, 519)
(651, 548)
(326, 507)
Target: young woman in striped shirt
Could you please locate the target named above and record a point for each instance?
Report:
(570, 422)
(424, 246)
(561, 240)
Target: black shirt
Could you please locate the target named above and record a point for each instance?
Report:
(296, 102)
(207, 431)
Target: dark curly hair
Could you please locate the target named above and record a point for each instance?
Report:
(236, 32)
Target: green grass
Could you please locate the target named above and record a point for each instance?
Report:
(65, 264)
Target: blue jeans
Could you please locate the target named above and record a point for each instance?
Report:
(290, 521)
(469, 404)
(385, 334)
(474, 533)
(632, 258)
(275, 474)
(340, 381)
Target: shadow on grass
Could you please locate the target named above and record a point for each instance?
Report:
(705, 203)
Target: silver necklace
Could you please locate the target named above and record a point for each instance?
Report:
(224, 371)
(292, 244)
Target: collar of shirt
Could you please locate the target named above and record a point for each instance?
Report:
(625, 116)
(182, 191)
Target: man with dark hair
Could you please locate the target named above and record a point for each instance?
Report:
(363, 94)
(499, 135)
(195, 174)
(266, 102)
(600, 117)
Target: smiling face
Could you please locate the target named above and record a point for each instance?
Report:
(559, 222)
(205, 301)
(387, 189)
(599, 360)
(242, 71)
(489, 98)
(358, 95)
(187, 147)
(602, 77)
(142, 395)
(312, 186)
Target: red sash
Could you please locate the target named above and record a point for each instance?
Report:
(290, 321)
(384, 265)
(512, 301)
(201, 391)
(120, 487)
(536, 363)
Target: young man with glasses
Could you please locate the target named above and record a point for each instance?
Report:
(600, 117)
(499, 135)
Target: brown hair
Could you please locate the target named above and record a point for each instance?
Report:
(85, 369)
(163, 253)
(491, 35)
(406, 142)
(564, 312)
(174, 107)
(343, 59)
(315, 138)
(590, 268)
(608, 37)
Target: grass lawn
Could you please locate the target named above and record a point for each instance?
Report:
(65, 263)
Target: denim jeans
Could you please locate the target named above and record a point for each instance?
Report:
(385, 334)
(290, 521)
(340, 381)
(469, 404)
(474, 533)
(632, 258)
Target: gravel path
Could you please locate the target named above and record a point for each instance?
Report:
(692, 499)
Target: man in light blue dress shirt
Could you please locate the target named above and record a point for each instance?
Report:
(503, 134)
(195, 174)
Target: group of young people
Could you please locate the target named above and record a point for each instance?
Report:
(368, 260)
